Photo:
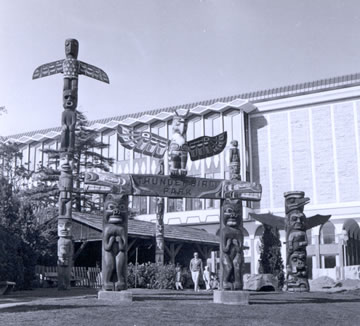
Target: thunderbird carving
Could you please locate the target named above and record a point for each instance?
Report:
(151, 144)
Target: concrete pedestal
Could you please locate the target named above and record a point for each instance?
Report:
(231, 297)
(115, 296)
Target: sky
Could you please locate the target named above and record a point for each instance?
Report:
(160, 53)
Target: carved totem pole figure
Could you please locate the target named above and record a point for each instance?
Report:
(231, 234)
(115, 242)
(178, 147)
(295, 225)
(71, 68)
(159, 233)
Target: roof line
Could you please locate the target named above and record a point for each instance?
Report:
(254, 97)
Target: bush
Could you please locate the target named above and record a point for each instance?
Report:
(151, 276)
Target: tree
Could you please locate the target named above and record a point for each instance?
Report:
(87, 155)
(270, 254)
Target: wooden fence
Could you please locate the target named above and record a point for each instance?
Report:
(80, 276)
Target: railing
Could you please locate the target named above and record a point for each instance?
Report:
(80, 276)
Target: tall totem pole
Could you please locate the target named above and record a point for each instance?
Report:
(71, 68)
(295, 225)
(231, 232)
(159, 233)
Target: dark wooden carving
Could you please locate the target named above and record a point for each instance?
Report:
(178, 147)
(71, 68)
(232, 240)
(295, 225)
(115, 240)
(159, 234)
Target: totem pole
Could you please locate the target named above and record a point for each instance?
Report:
(71, 68)
(159, 234)
(115, 242)
(231, 234)
(295, 225)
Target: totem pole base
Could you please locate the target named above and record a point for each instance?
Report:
(64, 276)
(116, 296)
(231, 297)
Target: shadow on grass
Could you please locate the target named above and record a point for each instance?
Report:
(170, 298)
(302, 301)
(44, 307)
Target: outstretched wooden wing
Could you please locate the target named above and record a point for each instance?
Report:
(48, 69)
(316, 220)
(205, 146)
(270, 219)
(143, 142)
(93, 72)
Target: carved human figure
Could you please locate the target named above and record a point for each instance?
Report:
(64, 227)
(297, 274)
(232, 245)
(65, 251)
(234, 158)
(115, 242)
(159, 235)
(178, 148)
(68, 120)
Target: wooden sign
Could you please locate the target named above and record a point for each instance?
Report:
(236, 189)
(165, 186)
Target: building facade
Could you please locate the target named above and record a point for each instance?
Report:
(301, 137)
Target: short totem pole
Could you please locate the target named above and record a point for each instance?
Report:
(71, 68)
(295, 225)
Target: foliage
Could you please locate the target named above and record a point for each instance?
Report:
(270, 254)
(11, 168)
(87, 155)
(156, 276)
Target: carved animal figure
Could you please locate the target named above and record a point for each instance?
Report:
(297, 275)
(234, 156)
(232, 245)
(68, 121)
(115, 242)
(151, 144)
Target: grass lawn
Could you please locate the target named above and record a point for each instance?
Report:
(81, 307)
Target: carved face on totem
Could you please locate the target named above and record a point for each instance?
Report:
(296, 220)
(232, 210)
(64, 227)
(64, 252)
(179, 123)
(160, 206)
(297, 261)
(116, 209)
(70, 99)
(71, 48)
(295, 200)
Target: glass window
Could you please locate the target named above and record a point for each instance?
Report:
(232, 124)
(175, 205)
(152, 205)
(328, 233)
(213, 124)
(139, 205)
(212, 203)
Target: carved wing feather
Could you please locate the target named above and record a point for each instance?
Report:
(316, 220)
(143, 142)
(93, 72)
(270, 219)
(48, 69)
(205, 146)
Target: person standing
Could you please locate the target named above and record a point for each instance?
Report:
(206, 277)
(196, 268)
(178, 284)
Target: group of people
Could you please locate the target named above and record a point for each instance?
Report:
(196, 269)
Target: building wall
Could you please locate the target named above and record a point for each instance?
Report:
(313, 148)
